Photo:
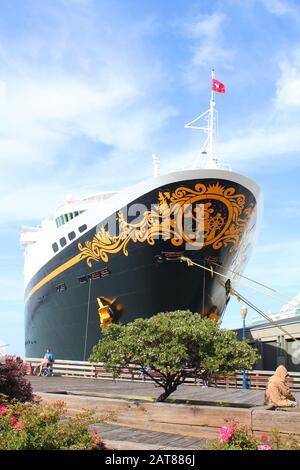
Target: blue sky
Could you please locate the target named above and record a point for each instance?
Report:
(89, 89)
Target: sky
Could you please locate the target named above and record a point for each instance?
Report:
(89, 89)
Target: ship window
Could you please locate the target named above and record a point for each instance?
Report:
(61, 287)
(71, 215)
(83, 280)
(82, 228)
(76, 214)
(63, 241)
(72, 235)
(105, 272)
(55, 247)
(102, 273)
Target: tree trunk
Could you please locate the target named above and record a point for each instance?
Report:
(168, 390)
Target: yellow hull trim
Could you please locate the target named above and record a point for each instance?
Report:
(68, 264)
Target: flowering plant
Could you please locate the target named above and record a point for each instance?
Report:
(37, 426)
(13, 383)
(234, 437)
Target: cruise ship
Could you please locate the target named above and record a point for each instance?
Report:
(118, 256)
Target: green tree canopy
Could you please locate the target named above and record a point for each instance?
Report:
(173, 344)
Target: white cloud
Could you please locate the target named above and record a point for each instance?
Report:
(102, 92)
(277, 131)
(287, 96)
(261, 143)
(207, 50)
(207, 31)
(281, 7)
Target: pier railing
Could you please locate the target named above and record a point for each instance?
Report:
(256, 379)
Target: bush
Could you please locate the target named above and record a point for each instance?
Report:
(13, 384)
(36, 427)
(233, 437)
(174, 345)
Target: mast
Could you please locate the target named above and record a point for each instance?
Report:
(207, 158)
(156, 165)
(212, 121)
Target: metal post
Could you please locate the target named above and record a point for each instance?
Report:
(87, 319)
(244, 314)
(244, 371)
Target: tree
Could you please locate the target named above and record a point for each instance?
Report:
(172, 345)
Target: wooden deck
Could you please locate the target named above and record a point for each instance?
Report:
(133, 421)
(136, 390)
(125, 438)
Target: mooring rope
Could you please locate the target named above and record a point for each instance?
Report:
(239, 296)
(253, 280)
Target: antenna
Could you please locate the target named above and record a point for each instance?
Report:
(156, 165)
(208, 158)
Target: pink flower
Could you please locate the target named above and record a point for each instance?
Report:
(13, 421)
(3, 410)
(233, 425)
(19, 426)
(264, 447)
(226, 433)
(97, 441)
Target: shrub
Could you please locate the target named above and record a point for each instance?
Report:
(170, 346)
(13, 384)
(233, 437)
(36, 427)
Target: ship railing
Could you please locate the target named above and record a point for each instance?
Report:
(256, 379)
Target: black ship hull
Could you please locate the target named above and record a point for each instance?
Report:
(144, 272)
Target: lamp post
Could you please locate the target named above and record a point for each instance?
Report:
(243, 315)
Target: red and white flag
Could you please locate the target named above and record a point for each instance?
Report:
(217, 86)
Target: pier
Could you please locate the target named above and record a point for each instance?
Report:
(188, 420)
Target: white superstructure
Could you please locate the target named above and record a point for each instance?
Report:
(288, 310)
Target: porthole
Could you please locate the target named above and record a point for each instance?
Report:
(72, 235)
(63, 242)
(82, 228)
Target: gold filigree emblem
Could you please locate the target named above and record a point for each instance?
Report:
(222, 214)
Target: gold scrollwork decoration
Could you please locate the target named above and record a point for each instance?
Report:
(223, 217)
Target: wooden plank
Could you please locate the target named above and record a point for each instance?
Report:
(285, 422)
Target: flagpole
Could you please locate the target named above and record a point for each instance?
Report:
(211, 127)
(210, 116)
